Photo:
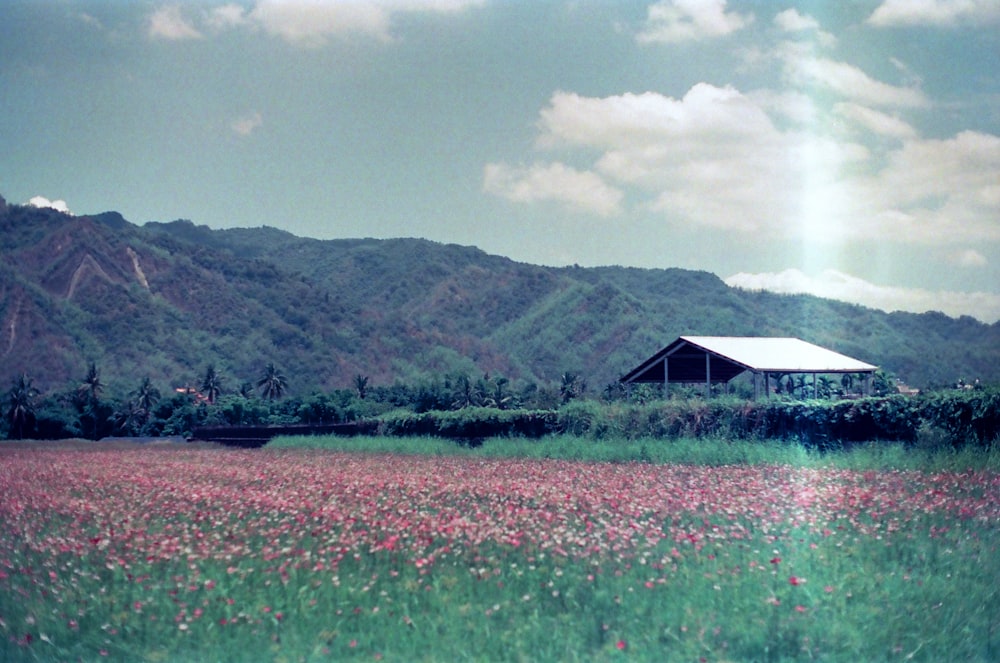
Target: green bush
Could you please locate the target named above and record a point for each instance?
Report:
(964, 415)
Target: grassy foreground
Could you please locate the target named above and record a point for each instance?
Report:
(192, 553)
(683, 451)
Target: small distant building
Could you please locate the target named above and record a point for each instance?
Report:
(712, 360)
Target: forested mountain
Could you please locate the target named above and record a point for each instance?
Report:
(165, 300)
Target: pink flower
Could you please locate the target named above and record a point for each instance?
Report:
(800, 608)
(621, 645)
(794, 580)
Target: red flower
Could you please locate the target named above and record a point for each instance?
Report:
(621, 645)
(793, 580)
(776, 560)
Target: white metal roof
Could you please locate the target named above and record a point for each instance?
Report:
(776, 354)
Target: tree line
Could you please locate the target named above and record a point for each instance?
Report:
(84, 410)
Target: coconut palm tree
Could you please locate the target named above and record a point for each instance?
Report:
(361, 385)
(92, 387)
(130, 418)
(272, 384)
(21, 406)
(89, 398)
(211, 384)
(136, 411)
(147, 396)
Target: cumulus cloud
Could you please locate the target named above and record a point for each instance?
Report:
(778, 165)
(170, 23)
(247, 124)
(42, 201)
(581, 190)
(833, 284)
(790, 20)
(671, 21)
(713, 157)
(941, 190)
(935, 12)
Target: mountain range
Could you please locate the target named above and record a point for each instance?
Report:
(166, 300)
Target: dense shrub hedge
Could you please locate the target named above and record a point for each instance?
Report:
(960, 416)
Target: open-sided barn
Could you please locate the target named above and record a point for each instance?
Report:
(718, 359)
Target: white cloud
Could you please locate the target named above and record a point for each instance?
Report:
(875, 121)
(832, 284)
(671, 21)
(852, 83)
(941, 190)
(716, 158)
(42, 201)
(969, 258)
(226, 17)
(713, 157)
(792, 21)
(310, 23)
(935, 12)
(581, 190)
(170, 24)
(247, 124)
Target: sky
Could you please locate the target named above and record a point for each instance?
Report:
(846, 148)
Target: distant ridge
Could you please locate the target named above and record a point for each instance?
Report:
(168, 299)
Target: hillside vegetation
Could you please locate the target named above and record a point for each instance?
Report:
(165, 300)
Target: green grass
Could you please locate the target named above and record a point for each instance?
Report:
(688, 451)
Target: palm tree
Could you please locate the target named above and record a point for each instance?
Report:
(211, 384)
(272, 384)
(141, 406)
(499, 397)
(571, 386)
(21, 408)
(361, 385)
(89, 392)
(92, 387)
(147, 396)
(464, 394)
(131, 418)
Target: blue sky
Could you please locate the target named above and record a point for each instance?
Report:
(849, 148)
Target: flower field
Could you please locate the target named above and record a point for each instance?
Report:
(194, 553)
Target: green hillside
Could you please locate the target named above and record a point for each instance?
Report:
(168, 299)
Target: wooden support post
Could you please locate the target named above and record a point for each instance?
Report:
(815, 389)
(666, 378)
(708, 375)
